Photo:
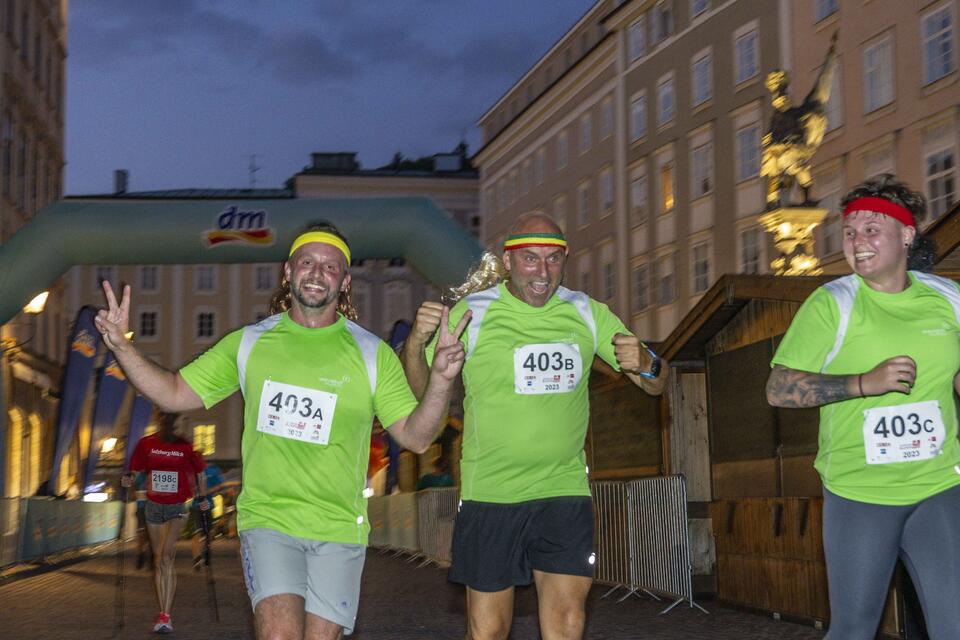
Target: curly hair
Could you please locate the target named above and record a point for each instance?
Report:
(283, 298)
(922, 252)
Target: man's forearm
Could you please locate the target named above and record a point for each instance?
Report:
(413, 357)
(423, 425)
(801, 389)
(159, 385)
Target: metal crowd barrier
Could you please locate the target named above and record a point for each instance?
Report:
(611, 535)
(419, 525)
(9, 530)
(437, 511)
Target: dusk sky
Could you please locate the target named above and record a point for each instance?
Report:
(181, 92)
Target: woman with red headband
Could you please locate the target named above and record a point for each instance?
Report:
(878, 352)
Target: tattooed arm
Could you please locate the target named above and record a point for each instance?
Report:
(799, 389)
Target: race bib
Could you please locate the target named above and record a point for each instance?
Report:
(907, 433)
(297, 413)
(164, 481)
(546, 368)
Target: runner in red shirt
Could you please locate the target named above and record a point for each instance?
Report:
(173, 471)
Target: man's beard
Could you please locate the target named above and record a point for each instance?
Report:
(317, 304)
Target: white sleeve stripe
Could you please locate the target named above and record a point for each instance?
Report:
(368, 344)
(478, 303)
(252, 333)
(944, 286)
(844, 291)
(581, 302)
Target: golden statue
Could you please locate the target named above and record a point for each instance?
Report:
(795, 133)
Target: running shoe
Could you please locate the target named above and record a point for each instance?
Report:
(163, 624)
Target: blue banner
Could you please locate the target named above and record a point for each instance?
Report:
(84, 343)
(139, 418)
(111, 389)
(398, 334)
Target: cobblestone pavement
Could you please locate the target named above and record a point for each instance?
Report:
(398, 602)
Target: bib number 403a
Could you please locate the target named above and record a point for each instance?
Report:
(295, 412)
(292, 404)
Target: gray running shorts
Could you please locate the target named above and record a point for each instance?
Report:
(156, 513)
(325, 574)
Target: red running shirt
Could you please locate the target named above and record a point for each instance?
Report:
(171, 468)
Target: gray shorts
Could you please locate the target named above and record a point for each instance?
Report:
(156, 513)
(325, 574)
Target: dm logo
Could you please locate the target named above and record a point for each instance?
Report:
(84, 344)
(236, 225)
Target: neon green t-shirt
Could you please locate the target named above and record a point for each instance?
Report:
(298, 487)
(918, 322)
(523, 438)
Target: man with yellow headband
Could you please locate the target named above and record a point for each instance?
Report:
(526, 513)
(312, 382)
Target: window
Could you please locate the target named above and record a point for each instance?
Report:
(665, 101)
(148, 324)
(637, 38)
(586, 278)
(204, 278)
(149, 278)
(263, 279)
(665, 277)
(937, 30)
(831, 227)
(638, 199)
(206, 324)
(941, 183)
(698, 6)
(638, 117)
(748, 152)
(360, 295)
(104, 274)
(877, 75)
(539, 166)
(702, 79)
(750, 250)
(824, 8)
(396, 303)
(701, 267)
(745, 55)
(562, 150)
(701, 159)
(606, 192)
(641, 288)
(560, 210)
(583, 204)
(834, 106)
(586, 132)
(606, 118)
(662, 21)
(205, 439)
(666, 187)
(609, 281)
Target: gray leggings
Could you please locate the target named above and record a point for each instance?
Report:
(862, 541)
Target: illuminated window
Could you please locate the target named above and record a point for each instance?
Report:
(205, 439)
(666, 187)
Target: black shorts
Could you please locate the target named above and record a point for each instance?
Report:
(496, 546)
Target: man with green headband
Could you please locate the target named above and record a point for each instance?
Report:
(312, 382)
(526, 513)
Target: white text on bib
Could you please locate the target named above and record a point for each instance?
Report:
(906, 433)
(297, 413)
(546, 368)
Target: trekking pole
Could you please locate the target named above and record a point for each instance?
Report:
(120, 580)
(205, 525)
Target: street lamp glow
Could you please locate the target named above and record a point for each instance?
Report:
(108, 445)
(36, 305)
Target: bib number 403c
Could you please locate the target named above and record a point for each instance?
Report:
(905, 433)
(901, 425)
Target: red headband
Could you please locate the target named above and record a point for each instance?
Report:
(880, 205)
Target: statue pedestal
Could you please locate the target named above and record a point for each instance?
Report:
(792, 228)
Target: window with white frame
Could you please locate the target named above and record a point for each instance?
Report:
(878, 75)
(586, 278)
(606, 192)
(586, 131)
(701, 162)
(204, 278)
(702, 77)
(560, 210)
(637, 38)
(938, 56)
(666, 279)
(638, 199)
(834, 106)
(748, 152)
(205, 439)
(638, 117)
(606, 118)
(562, 150)
(396, 303)
(941, 182)
(824, 8)
(640, 278)
(662, 17)
(750, 240)
(149, 324)
(831, 228)
(149, 278)
(539, 166)
(698, 6)
(583, 204)
(263, 277)
(666, 107)
(206, 324)
(666, 187)
(701, 266)
(609, 281)
(104, 274)
(746, 56)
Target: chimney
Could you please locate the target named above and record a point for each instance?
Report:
(120, 178)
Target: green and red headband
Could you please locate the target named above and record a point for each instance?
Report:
(881, 205)
(524, 240)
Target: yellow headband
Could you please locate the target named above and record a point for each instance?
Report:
(323, 237)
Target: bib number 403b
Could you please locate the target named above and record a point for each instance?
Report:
(547, 361)
(293, 404)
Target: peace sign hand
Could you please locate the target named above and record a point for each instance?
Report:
(449, 355)
(114, 321)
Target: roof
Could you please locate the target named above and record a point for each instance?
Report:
(191, 194)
